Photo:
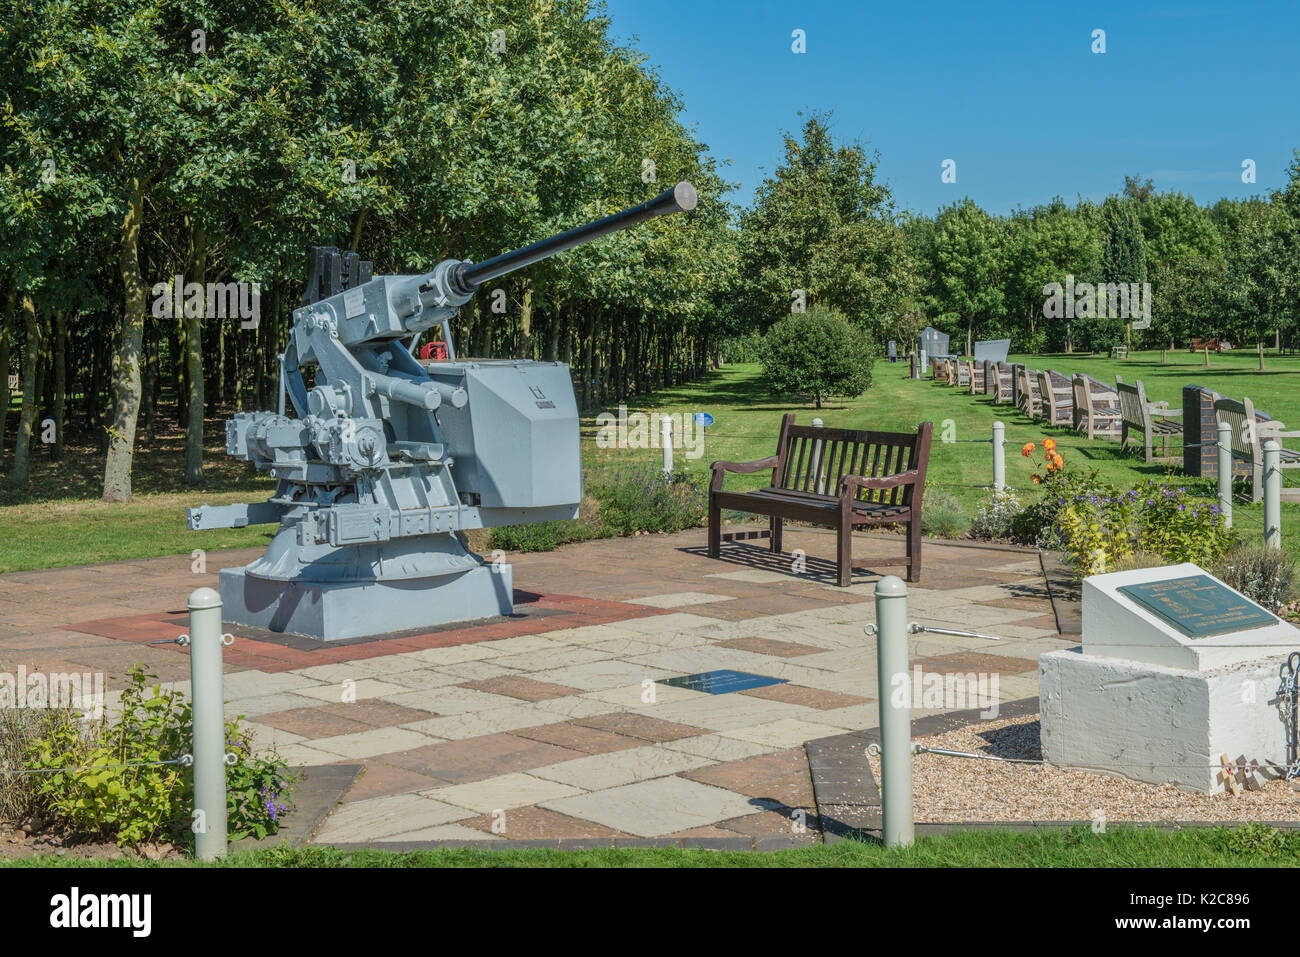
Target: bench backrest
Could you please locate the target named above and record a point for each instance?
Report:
(1241, 416)
(1054, 406)
(1133, 406)
(975, 376)
(815, 460)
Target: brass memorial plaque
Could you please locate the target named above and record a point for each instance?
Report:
(1198, 606)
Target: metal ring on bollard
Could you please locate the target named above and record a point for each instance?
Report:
(227, 639)
(231, 759)
(873, 750)
(870, 629)
(187, 760)
(183, 641)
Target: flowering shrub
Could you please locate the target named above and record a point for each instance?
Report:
(1098, 528)
(1262, 573)
(996, 515)
(1052, 460)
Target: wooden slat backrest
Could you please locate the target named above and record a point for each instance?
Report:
(1245, 440)
(1132, 409)
(815, 460)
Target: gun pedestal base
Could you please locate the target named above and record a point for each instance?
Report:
(337, 610)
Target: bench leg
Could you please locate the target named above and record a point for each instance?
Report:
(1146, 447)
(776, 525)
(715, 529)
(845, 555)
(914, 550)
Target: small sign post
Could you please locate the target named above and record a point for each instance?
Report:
(702, 422)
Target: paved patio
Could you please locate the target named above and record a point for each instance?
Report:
(554, 725)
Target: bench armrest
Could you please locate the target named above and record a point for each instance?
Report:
(850, 483)
(721, 468)
(1163, 410)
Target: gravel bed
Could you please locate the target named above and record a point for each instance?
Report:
(953, 790)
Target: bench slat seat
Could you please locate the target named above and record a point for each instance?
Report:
(1248, 442)
(1150, 419)
(839, 478)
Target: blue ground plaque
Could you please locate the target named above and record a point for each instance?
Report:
(723, 681)
(1198, 606)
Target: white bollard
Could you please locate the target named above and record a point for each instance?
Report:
(895, 719)
(999, 457)
(666, 442)
(1225, 473)
(1272, 494)
(209, 820)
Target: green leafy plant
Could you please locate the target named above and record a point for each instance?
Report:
(818, 353)
(120, 778)
(652, 502)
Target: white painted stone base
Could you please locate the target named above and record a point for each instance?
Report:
(1158, 724)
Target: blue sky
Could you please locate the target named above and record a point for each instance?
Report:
(1011, 92)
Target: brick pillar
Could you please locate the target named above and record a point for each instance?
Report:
(1199, 429)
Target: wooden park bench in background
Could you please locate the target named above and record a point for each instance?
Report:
(1250, 430)
(1200, 345)
(960, 374)
(975, 377)
(1056, 399)
(1119, 352)
(1028, 400)
(837, 478)
(1149, 418)
(1096, 408)
(998, 381)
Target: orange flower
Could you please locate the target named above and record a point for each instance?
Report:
(1029, 447)
(1049, 444)
(1060, 462)
(1036, 479)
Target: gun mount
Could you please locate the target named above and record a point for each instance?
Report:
(386, 461)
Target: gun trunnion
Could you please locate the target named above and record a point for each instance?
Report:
(385, 461)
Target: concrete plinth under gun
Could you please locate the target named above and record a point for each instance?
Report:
(385, 461)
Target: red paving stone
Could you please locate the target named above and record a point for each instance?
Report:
(964, 662)
(474, 759)
(382, 780)
(312, 723)
(538, 824)
(250, 652)
(566, 734)
(770, 646)
(808, 697)
(517, 686)
(781, 776)
(640, 726)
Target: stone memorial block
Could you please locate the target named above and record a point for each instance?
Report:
(1175, 669)
(893, 351)
(991, 350)
(934, 343)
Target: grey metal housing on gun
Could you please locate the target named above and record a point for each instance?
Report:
(389, 459)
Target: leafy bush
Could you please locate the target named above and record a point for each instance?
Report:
(1263, 574)
(1098, 528)
(88, 790)
(19, 795)
(996, 515)
(652, 502)
(818, 353)
(942, 515)
(547, 536)
(1037, 523)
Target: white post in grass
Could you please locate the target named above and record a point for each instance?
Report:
(999, 457)
(895, 711)
(208, 697)
(1225, 473)
(1272, 494)
(666, 440)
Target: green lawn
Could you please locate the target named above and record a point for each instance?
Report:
(1253, 846)
(57, 521)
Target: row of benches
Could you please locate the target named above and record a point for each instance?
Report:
(1094, 409)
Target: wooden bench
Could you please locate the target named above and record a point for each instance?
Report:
(1028, 400)
(1250, 430)
(1055, 398)
(1199, 345)
(998, 381)
(975, 377)
(1096, 408)
(837, 478)
(1149, 418)
(1119, 352)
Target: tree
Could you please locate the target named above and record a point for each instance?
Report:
(818, 353)
(968, 261)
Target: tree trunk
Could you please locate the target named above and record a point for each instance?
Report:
(27, 418)
(196, 268)
(526, 322)
(1259, 345)
(6, 329)
(126, 360)
(60, 381)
